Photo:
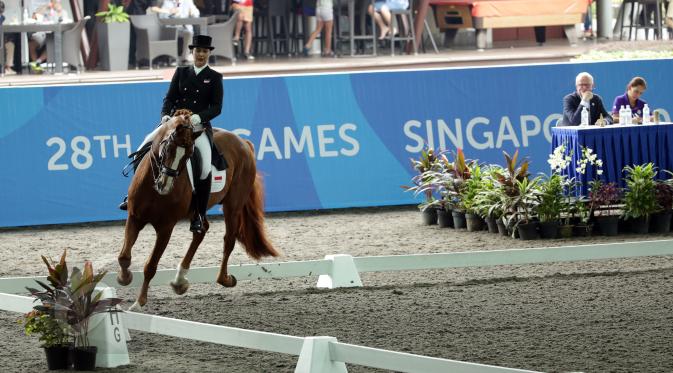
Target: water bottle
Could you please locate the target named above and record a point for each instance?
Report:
(622, 119)
(629, 115)
(585, 117)
(646, 114)
(25, 15)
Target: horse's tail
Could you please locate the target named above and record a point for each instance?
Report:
(251, 231)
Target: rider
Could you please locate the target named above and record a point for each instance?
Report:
(197, 88)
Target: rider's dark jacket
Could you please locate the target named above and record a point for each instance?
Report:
(201, 94)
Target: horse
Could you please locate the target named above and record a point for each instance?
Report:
(160, 194)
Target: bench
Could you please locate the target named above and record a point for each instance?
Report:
(484, 15)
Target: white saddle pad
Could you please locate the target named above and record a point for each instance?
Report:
(217, 181)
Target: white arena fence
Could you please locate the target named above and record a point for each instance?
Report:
(326, 354)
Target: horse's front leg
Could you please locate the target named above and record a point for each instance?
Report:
(163, 236)
(223, 278)
(133, 227)
(181, 284)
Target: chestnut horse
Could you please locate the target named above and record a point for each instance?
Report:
(160, 194)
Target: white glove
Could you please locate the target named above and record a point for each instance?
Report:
(195, 119)
(165, 119)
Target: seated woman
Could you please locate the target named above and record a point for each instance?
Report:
(631, 99)
(381, 13)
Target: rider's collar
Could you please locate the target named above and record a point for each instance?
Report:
(197, 70)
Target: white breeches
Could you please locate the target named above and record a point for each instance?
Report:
(203, 147)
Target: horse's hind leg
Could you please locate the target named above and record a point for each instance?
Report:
(133, 227)
(163, 236)
(232, 222)
(181, 284)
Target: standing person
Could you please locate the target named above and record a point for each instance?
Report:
(583, 97)
(631, 99)
(197, 88)
(588, 22)
(180, 9)
(325, 14)
(8, 45)
(244, 8)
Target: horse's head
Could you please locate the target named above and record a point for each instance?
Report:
(174, 150)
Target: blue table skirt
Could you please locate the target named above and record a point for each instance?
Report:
(618, 146)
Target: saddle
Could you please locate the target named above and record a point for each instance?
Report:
(218, 166)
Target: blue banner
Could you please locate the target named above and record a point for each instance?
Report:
(322, 141)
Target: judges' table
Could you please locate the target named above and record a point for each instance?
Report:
(617, 146)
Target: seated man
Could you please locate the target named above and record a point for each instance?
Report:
(179, 9)
(581, 98)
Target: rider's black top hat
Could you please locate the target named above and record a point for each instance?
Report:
(201, 41)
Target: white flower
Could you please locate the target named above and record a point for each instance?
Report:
(599, 172)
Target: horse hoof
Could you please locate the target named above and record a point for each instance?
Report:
(124, 280)
(228, 284)
(180, 288)
(135, 307)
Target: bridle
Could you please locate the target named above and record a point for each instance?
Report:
(159, 167)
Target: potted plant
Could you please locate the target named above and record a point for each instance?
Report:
(469, 193)
(114, 35)
(524, 205)
(84, 302)
(603, 198)
(47, 318)
(458, 172)
(514, 172)
(550, 205)
(583, 227)
(488, 202)
(639, 198)
(661, 219)
(426, 166)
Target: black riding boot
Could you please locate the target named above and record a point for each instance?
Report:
(202, 189)
(137, 157)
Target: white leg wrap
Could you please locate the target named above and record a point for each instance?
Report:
(136, 307)
(180, 277)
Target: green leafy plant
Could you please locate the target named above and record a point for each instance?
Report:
(471, 189)
(490, 200)
(639, 198)
(114, 14)
(52, 332)
(523, 204)
(551, 198)
(48, 318)
(424, 165)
